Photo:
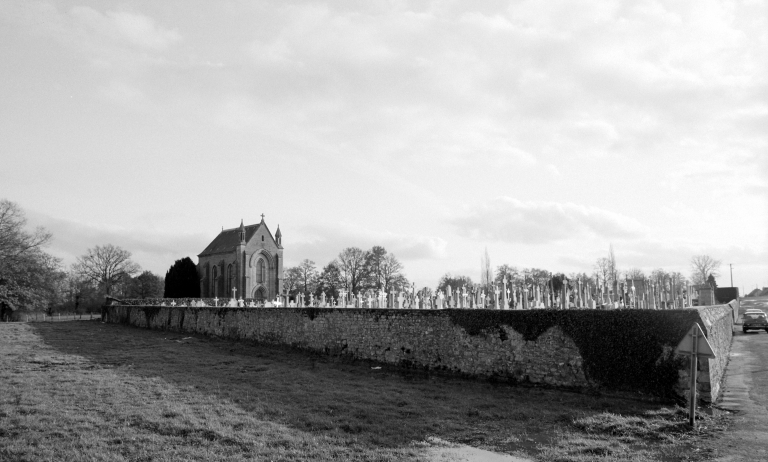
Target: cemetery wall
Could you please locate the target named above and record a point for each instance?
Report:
(717, 323)
(619, 350)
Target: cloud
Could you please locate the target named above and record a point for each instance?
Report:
(123, 93)
(152, 250)
(129, 28)
(322, 243)
(514, 221)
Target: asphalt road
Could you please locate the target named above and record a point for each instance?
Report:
(746, 394)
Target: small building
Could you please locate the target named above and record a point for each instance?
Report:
(248, 259)
(754, 293)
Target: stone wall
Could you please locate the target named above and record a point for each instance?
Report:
(717, 324)
(545, 347)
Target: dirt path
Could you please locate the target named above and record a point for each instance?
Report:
(444, 451)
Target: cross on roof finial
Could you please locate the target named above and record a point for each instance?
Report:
(262, 217)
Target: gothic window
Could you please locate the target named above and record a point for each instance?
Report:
(215, 280)
(260, 270)
(206, 280)
(229, 278)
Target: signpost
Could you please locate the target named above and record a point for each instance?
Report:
(694, 343)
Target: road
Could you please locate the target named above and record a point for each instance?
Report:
(746, 394)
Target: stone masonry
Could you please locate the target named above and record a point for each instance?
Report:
(427, 339)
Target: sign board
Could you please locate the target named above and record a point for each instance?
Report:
(703, 347)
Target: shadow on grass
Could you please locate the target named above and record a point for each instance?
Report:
(352, 400)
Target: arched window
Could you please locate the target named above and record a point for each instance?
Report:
(215, 280)
(206, 283)
(229, 278)
(260, 270)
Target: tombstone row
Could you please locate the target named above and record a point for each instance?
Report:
(643, 294)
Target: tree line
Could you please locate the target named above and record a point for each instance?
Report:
(354, 270)
(605, 273)
(34, 280)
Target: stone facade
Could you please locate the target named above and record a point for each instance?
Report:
(248, 259)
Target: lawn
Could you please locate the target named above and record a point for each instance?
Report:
(83, 390)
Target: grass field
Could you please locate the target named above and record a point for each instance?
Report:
(92, 391)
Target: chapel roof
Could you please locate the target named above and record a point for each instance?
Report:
(229, 239)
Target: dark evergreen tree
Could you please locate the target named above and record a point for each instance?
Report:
(181, 280)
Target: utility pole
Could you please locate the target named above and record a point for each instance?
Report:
(731, 265)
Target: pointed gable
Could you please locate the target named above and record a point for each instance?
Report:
(268, 233)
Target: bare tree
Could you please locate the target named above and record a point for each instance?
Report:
(392, 273)
(106, 266)
(15, 241)
(352, 265)
(702, 266)
(614, 270)
(510, 273)
(603, 270)
(292, 280)
(678, 278)
(538, 276)
(635, 273)
(308, 274)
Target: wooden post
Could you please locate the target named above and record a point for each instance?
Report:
(694, 357)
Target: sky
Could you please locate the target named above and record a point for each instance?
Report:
(544, 132)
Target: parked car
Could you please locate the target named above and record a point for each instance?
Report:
(754, 321)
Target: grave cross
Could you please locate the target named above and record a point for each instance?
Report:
(234, 291)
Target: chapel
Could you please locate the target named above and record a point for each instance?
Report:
(246, 262)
